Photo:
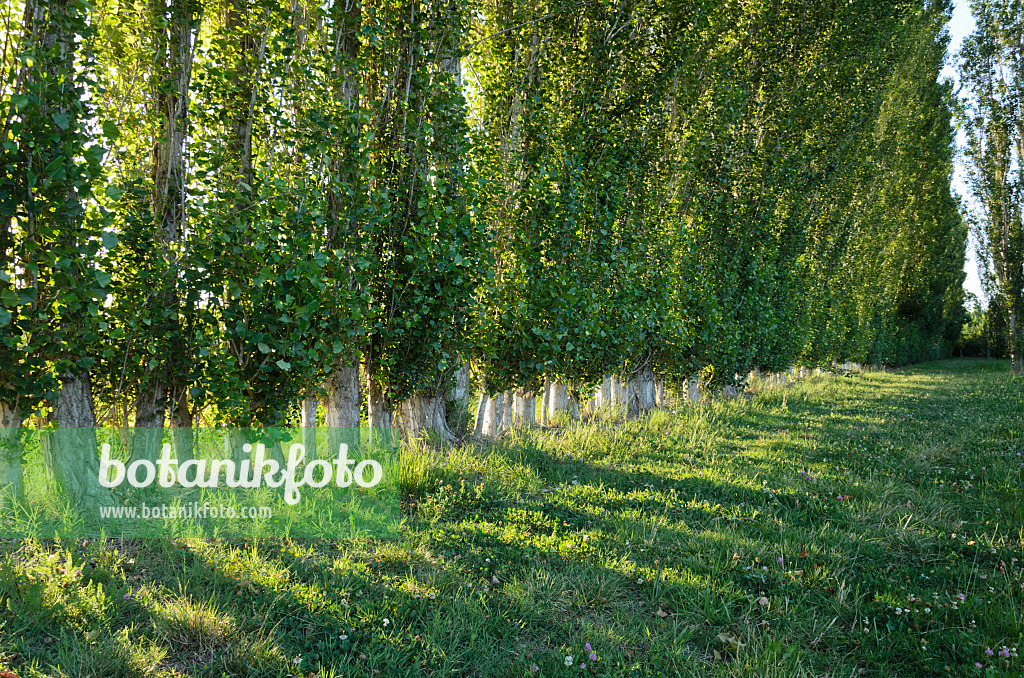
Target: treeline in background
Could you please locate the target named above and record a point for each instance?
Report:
(256, 212)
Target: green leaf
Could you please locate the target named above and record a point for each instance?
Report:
(263, 347)
(111, 131)
(109, 239)
(9, 298)
(103, 278)
(284, 365)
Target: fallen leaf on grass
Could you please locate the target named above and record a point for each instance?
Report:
(731, 639)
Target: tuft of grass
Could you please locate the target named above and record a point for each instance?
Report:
(186, 624)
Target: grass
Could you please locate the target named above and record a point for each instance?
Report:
(867, 525)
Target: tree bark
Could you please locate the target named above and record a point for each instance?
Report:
(693, 391)
(523, 407)
(643, 400)
(379, 413)
(1015, 343)
(342, 408)
(308, 422)
(421, 414)
(493, 414)
(481, 409)
(458, 398)
(572, 404)
(544, 399)
(11, 447)
(73, 451)
(618, 396)
(149, 422)
(558, 400)
(181, 430)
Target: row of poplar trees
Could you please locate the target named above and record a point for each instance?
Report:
(991, 111)
(244, 212)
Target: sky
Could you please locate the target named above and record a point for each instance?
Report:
(960, 26)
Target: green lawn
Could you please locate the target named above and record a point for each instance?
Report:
(860, 525)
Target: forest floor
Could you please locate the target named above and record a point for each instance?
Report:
(861, 525)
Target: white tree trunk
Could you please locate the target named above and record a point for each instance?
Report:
(481, 409)
(558, 400)
(379, 414)
(422, 413)
(545, 398)
(458, 418)
(693, 391)
(524, 407)
(615, 391)
(492, 414)
(11, 446)
(506, 410)
(572, 404)
(309, 407)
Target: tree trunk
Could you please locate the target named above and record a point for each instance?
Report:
(493, 413)
(181, 430)
(309, 407)
(481, 409)
(507, 398)
(693, 391)
(173, 24)
(11, 447)
(558, 400)
(643, 390)
(618, 397)
(524, 407)
(421, 414)
(149, 423)
(1015, 344)
(379, 413)
(545, 398)
(606, 392)
(342, 408)
(572, 405)
(457, 407)
(73, 450)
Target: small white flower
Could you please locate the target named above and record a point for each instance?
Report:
(386, 621)
(343, 636)
(640, 580)
(568, 660)
(297, 660)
